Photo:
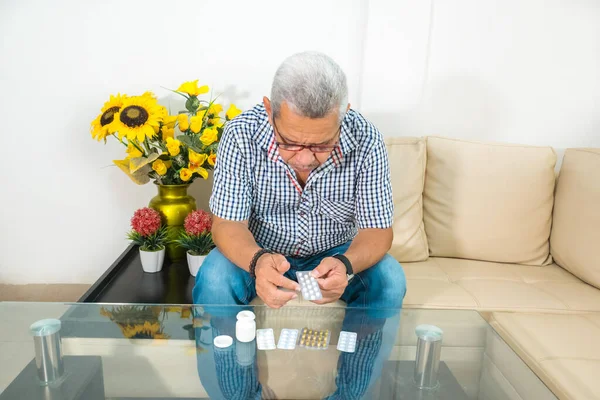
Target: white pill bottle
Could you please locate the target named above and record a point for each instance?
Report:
(245, 327)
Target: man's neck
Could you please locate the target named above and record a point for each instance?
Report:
(302, 178)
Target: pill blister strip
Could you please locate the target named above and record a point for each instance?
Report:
(265, 339)
(347, 342)
(309, 286)
(287, 339)
(314, 339)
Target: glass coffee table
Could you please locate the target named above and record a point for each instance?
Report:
(127, 351)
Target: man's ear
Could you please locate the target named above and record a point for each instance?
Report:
(267, 104)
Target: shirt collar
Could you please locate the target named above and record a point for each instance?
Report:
(348, 141)
(265, 137)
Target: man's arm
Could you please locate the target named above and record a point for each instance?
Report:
(231, 204)
(234, 241)
(374, 217)
(368, 247)
(374, 209)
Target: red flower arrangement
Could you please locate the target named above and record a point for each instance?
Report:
(148, 231)
(196, 237)
(146, 221)
(197, 222)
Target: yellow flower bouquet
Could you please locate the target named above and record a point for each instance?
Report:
(138, 322)
(147, 130)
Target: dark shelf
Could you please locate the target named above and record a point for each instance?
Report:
(126, 282)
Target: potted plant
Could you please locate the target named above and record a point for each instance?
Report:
(196, 238)
(149, 233)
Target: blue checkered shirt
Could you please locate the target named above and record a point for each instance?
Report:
(350, 191)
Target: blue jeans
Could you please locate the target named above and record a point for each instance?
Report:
(373, 297)
(382, 286)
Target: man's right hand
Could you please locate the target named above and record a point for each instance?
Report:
(269, 277)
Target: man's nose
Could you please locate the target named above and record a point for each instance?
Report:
(305, 156)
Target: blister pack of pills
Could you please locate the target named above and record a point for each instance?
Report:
(314, 339)
(287, 339)
(265, 339)
(309, 286)
(347, 342)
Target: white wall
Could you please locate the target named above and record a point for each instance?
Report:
(524, 72)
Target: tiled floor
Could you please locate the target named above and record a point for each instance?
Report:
(40, 292)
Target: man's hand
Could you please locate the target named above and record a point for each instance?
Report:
(269, 276)
(332, 279)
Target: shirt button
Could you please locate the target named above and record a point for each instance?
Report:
(302, 213)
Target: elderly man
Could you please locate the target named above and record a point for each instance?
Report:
(302, 183)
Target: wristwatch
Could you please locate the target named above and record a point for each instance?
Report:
(347, 264)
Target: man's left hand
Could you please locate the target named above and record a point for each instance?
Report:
(332, 279)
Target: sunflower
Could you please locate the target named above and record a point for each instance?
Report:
(147, 330)
(138, 118)
(101, 126)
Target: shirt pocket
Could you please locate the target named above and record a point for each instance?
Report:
(341, 211)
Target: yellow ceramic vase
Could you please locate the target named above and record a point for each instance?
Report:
(174, 204)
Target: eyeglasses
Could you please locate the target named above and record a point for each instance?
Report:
(315, 148)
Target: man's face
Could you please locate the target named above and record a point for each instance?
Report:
(293, 129)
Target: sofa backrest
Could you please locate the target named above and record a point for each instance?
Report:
(575, 239)
(490, 202)
(407, 158)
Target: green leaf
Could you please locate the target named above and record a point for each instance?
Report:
(153, 242)
(196, 244)
(192, 142)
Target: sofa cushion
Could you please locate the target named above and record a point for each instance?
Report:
(485, 286)
(490, 202)
(407, 166)
(576, 226)
(560, 349)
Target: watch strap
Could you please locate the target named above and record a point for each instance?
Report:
(346, 262)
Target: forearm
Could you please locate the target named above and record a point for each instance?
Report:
(368, 247)
(234, 241)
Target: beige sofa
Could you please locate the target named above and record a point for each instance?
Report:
(496, 228)
(505, 236)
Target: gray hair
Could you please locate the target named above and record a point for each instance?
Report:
(312, 84)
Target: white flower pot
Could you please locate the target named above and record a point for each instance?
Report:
(152, 261)
(194, 263)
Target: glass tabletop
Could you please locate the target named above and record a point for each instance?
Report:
(126, 351)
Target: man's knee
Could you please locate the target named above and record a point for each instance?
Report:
(391, 280)
(217, 280)
(215, 270)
